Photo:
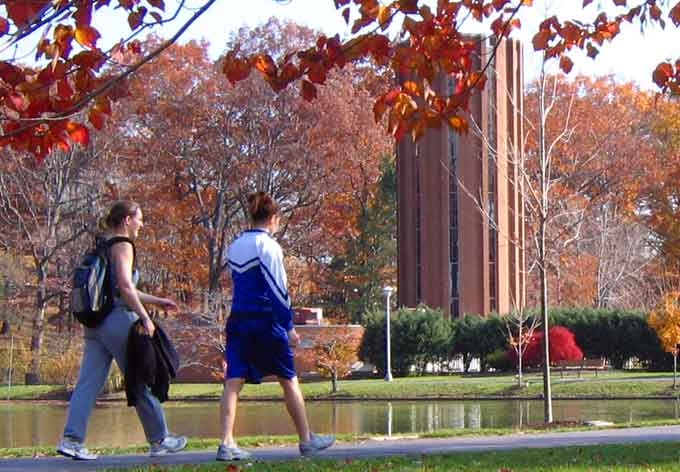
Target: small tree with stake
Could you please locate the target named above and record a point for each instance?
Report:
(665, 321)
(520, 330)
(335, 355)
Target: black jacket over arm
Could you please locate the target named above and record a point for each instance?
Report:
(149, 361)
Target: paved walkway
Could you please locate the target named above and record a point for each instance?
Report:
(366, 449)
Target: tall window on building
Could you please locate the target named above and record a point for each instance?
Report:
(453, 225)
(416, 166)
(492, 166)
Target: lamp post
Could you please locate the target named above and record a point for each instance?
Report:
(387, 291)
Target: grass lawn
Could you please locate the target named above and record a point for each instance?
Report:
(656, 457)
(29, 392)
(610, 385)
(606, 385)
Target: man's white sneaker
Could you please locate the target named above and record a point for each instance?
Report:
(316, 443)
(75, 450)
(168, 445)
(231, 453)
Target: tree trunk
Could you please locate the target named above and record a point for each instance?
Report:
(519, 369)
(334, 382)
(520, 352)
(544, 208)
(547, 394)
(675, 368)
(33, 375)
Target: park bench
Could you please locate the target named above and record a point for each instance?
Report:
(593, 365)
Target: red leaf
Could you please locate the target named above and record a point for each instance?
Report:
(83, 15)
(662, 73)
(235, 69)
(11, 74)
(566, 64)
(64, 89)
(89, 59)
(458, 124)
(498, 26)
(317, 74)
(157, 4)
(379, 109)
(408, 6)
(674, 14)
(265, 64)
(308, 90)
(63, 145)
(97, 119)
(21, 13)
(78, 133)
(4, 26)
(102, 105)
(85, 80)
(401, 130)
(18, 101)
(477, 80)
(540, 40)
(135, 18)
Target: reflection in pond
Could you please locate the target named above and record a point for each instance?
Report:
(114, 424)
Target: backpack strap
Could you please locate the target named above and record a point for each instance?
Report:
(122, 239)
(108, 244)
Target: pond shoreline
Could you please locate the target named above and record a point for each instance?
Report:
(57, 399)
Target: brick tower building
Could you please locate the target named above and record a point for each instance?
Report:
(460, 205)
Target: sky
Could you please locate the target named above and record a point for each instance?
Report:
(632, 56)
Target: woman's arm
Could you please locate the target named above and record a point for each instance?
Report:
(165, 303)
(122, 256)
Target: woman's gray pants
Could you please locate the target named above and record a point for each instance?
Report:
(103, 344)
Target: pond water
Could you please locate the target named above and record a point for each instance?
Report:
(114, 424)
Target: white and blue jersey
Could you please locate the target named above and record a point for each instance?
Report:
(260, 285)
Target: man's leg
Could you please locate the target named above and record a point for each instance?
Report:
(295, 404)
(228, 402)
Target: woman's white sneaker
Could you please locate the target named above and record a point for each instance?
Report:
(316, 443)
(231, 453)
(168, 445)
(75, 450)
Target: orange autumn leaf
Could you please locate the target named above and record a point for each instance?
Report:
(87, 36)
(78, 133)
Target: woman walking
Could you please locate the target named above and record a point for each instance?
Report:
(109, 340)
(260, 330)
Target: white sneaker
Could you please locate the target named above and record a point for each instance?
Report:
(316, 444)
(168, 445)
(75, 450)
(232, 453)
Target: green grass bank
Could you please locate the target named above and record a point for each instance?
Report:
(613, 384)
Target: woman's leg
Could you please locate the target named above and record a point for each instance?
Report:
(114, 333)
(94, 369)
(295, 404)
(228, 402)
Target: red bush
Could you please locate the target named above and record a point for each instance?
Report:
(563, 347)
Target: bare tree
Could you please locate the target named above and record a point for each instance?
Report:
(44, 209)
(520, 329)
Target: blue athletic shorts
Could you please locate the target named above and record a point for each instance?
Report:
(257, 346)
